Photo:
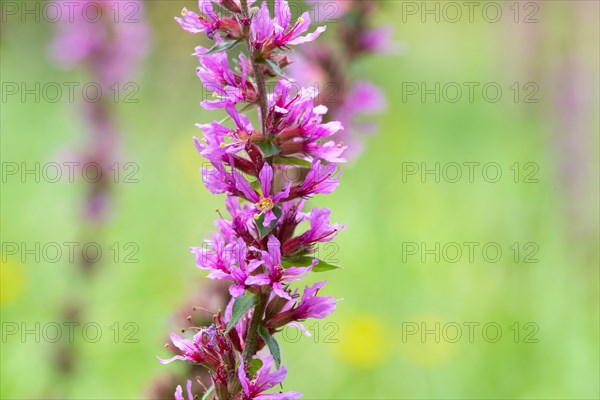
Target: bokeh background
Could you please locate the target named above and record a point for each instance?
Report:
(368, 351)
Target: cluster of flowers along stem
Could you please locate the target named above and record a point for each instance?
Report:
(325, 64)
(267, 174)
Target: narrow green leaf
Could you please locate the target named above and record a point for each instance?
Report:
(305, 261)
(209, 393)
(241, 305)
(264, 231)
(291, 161)
(272, 344)
(223, 46)
(302, 261)
(323, 266)
(268, 148)
(275, 68)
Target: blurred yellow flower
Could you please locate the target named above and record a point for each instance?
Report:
(363, 342)
(12, 280)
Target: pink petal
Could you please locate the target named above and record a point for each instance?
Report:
(266, 177)
(262, 279)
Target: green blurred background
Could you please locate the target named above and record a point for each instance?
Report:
(367, 353)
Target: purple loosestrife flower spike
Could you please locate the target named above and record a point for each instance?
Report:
(267, 173)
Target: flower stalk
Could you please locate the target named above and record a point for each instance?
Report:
(257, 319)
(258, 75)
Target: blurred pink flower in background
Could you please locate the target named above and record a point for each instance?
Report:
(110, 37)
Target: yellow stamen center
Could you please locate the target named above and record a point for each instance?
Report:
(265, 205)
(242, 136)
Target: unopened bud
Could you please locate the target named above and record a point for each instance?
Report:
(274, 307)
(231, 6)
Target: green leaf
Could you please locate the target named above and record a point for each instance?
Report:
(291, 161)
(209, 393)
(272, 344)
(254, 366)
(302, 261)
(305, 261)
(223, 46)
(268, 148)
(323, 266)
(260, 221)
(274, 67)
(241, 305)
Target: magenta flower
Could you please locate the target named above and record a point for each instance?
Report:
(219, 180)
(309, 306)
(268, 34)
(195, 23)
(312, 306)
(203, 349)
(320, 231)
(266, 202)
(254, 389)
(276, 273)
(285, 107)
(299, 126)
(227, 262)
(227, 86)
(242, 221)
(209, 22)
(320, 179)
(215, 256)
(240, 273)
(219, 140)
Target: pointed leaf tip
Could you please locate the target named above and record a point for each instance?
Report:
(240, 306)
(271, 344)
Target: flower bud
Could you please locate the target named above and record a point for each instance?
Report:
(274, 307)
(231, 6)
